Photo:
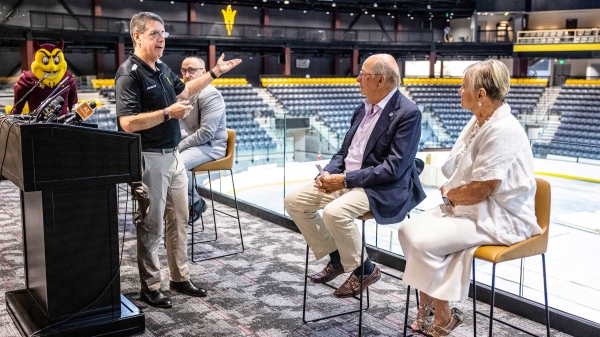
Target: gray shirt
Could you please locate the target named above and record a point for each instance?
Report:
(205, 126)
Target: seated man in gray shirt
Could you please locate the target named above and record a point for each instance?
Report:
(203, 133)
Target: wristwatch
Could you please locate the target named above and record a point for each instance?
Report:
(166, 113)
(345, 186)
(447, 202)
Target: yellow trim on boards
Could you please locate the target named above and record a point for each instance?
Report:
(519, 48)
(566, 176)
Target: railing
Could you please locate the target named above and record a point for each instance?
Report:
(589, 35)
(496, 36)
(60, 21)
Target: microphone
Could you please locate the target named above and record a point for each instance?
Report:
(82, 112)
(28, 92)
(51, 110)
(52, 96)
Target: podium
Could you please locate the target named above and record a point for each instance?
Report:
(67, 176)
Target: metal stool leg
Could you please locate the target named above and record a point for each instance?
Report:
(474, 302)
(493, 295)
(214, 210)
(546, 296)
(360, 299)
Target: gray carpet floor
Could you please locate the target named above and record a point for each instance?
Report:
(257, 293)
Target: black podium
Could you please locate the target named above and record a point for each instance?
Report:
(68, 176)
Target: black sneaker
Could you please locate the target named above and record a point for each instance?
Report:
(199, 207)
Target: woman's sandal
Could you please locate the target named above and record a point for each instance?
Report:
(421, 320)
(435, 330)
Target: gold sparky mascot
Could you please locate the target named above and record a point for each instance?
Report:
(228, 16)
(49, 60)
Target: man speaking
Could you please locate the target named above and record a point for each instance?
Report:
(373, 171)
(147, 92)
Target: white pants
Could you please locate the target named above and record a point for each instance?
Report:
(439, 251)
(164, 174)
(336, 230)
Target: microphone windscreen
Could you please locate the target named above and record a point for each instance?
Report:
(84, 110)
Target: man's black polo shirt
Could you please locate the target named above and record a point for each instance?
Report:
(140, 89)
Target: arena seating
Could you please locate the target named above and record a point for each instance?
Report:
(440, 95)
(332, 99)
(579, 132)
(242, 106)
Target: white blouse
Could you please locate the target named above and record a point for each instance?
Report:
(499, 150)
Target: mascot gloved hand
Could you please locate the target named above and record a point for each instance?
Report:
(49, 60)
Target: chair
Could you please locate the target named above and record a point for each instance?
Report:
(225, 164)
(533, 246)
(367, 216)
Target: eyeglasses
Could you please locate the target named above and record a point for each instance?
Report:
(191, 71)
(154, 34)
(360, 74)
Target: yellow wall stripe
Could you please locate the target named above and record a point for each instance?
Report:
(520, 48)
(566, 176)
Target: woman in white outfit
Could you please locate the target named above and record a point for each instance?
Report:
(488, 200)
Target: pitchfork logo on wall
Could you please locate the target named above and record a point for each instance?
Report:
(228, 16)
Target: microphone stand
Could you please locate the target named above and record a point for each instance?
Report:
(28, 93)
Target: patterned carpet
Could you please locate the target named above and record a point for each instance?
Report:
(257, 293)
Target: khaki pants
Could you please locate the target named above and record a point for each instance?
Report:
(336, 229)
(165, 176)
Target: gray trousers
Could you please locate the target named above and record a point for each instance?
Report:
(165, 176)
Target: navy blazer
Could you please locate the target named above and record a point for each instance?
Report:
(388, 173)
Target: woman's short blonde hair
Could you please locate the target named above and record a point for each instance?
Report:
(491, 75)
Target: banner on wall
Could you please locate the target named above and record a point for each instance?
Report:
(302, 63)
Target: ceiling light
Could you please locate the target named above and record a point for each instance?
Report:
(375, 5)
(451, 13)
(366, 12)
(286, 2)
(429, 19)
(486, 13)
(280, 8)
(428, 6)
(333, 4)
(506, 14)
(202, 4)
(326, 12)
(392, 16)
(351, 14)
(491, 14)
(468, 18)
(373, 15)
(172, 2)
(255, 7)
(412, 17)
(447, 20)
(305, 12)
(408, 15)
(431, 15)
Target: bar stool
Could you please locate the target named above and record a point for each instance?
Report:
(360, 310)
(224, 164)
(537, 245)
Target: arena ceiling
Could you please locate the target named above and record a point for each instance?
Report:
(417, 8)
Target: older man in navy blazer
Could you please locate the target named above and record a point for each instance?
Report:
(373, 171)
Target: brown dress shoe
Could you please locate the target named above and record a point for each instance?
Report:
(351, 287)
(327, 274)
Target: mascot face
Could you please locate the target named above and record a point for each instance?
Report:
(49, 59)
